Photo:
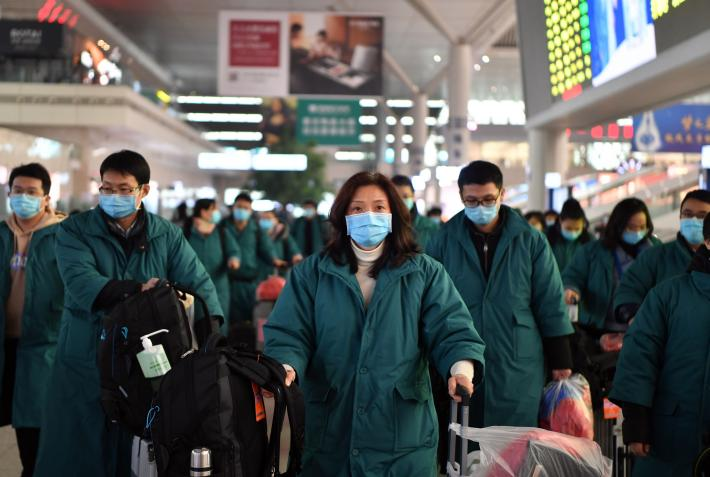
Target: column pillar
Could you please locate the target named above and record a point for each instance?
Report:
(420, 133)
(380, 135)
(398, 146)
(548, 153)
(459, 85)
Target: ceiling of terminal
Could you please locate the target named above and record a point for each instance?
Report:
(181, 35)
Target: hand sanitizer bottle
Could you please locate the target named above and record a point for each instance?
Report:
(153, 360)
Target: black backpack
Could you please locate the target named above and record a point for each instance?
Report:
(126, 394)
(212, 399)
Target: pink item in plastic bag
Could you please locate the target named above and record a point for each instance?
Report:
(566, 407)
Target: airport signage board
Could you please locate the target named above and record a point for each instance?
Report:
(299, 53)
(30, 39)
(681, 128)
(329, 122)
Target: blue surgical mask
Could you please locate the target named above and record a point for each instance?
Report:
(436, 220)
(409, 202)
(550, 223)
(369, 229)
(266, 224)
(216, 217)
(481, 215)
(118, 206)
(692, 230)
(633, 238)
(571, 235)
(241, 215)
(309, 213)
(25, 206)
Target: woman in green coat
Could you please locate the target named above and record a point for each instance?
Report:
(217, 250)
(596, 268)
(569, 234)
(285, 246)
(104, 255)
(357, 327)
(662, 381)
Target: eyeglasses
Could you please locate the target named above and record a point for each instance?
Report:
(487, 202)
(31, 192)
(119, 191)
(686, 214)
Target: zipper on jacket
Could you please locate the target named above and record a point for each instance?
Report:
(485, 255)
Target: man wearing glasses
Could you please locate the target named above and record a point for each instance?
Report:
(105, 255)
(31, 302)
(506, 274)
(658, 264)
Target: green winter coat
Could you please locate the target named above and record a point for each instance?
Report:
(665, 366)
(44, 302)
(519, 304)
(651, 268)
(564, 251)
(214, 251)
(591, 274)
(363, 370)
(285, 248)
(319, 226)
(254, 244)
(76, 438)
(424, 229)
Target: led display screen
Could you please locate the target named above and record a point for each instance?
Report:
(591, 42)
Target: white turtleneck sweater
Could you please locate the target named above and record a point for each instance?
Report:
(365, 261)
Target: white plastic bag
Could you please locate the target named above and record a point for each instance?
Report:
(529, 451)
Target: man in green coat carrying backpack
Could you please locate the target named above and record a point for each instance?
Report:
(105, 255)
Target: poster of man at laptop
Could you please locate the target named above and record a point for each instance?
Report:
(335, 54)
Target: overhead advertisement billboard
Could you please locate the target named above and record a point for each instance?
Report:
(591, 42)
(298, 53)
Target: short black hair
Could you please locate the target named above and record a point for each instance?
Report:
(202, 204)
(310, 202)
(400, 180)
(698, 194)
(34, 170)
(243, 196)
(706, 227)
(127, 163)
(480, 172)
(537, 215)
(322, 33)
(434, 211)
(572, 209)
(551, 212)
(296, 27)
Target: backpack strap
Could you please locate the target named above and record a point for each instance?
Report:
(207, 325)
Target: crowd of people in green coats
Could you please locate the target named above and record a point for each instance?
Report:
(385, 313)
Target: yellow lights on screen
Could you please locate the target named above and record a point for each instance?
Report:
(569, 64)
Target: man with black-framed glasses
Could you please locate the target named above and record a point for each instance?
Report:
(660, 263)
(31, 302)
(507, 275)
(105, 255)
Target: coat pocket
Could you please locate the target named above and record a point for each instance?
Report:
(319, 403)
(526, 337)
(80, 345)
(675, 433)
(414, 421)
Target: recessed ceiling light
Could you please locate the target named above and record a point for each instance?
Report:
(485, 59)
(437, 58)
(477, 67)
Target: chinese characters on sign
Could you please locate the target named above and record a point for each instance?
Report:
(332, 122)
(680, 128)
